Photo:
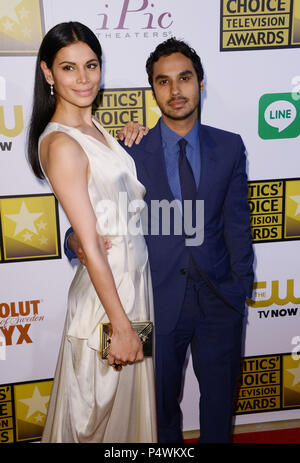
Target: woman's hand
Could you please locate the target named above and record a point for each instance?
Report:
(132, 132)
(125, 348)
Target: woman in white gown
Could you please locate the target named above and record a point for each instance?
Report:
(93, 400)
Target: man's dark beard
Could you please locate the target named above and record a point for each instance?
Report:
(185, 116)
(179, 118)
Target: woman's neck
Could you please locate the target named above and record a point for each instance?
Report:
(73, 116)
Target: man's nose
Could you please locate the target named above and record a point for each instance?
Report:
(174, 88)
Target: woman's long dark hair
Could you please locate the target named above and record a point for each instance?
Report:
(44, 103)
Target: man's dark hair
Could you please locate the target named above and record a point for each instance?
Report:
(168, 47)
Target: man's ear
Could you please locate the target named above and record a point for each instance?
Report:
(47, 73)
(201, 86)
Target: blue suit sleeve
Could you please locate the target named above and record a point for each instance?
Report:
(68, 252)
(237, 222)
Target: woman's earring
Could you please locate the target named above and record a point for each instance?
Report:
(51, 90)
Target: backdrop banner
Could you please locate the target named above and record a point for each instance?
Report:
(250, 53)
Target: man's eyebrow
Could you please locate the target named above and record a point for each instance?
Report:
(161, 76)
(185, 73)
(165, 76)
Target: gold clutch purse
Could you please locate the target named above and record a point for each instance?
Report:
(143, 329)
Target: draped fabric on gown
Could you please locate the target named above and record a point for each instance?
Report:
(90, 401)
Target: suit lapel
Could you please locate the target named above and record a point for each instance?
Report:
(155, 167)
(208, 162)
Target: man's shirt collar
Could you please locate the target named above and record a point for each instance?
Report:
(171, 138)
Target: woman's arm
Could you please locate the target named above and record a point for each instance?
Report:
(67, 167)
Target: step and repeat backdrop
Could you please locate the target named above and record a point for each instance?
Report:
(251, 56)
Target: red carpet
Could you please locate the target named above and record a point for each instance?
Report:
(281, 436)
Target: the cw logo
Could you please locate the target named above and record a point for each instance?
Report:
(2, 88)
(260, 299)
(19, 122)
(18, 115)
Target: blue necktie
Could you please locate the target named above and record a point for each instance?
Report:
(187, 180)
(188, 191)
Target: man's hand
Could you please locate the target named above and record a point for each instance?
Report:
(74, 244)
(131, 132)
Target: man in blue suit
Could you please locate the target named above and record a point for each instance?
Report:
(199, 287)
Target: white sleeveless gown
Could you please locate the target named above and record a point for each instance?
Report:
(90, 401)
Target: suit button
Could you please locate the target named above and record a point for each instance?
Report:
(182, 271)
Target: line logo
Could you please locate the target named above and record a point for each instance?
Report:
(279, 116)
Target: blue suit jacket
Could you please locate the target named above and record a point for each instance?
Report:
(225, 258)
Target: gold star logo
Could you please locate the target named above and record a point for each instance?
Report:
(36, 403)
(24, 220)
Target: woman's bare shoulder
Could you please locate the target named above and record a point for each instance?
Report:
(57, 140)
(60, 149)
